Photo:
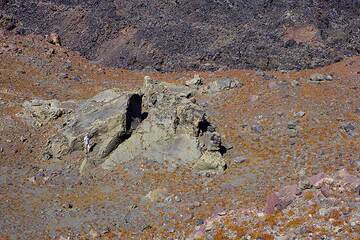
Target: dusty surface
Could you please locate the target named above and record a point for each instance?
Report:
(262, 120)
(195, 34)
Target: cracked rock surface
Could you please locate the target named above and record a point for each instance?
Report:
(173, 130)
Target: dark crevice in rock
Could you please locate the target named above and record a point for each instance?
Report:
(204, 126)
(134, 115)
(222, 150)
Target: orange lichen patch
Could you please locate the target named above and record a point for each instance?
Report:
(304, 34)
(290, 213)
(273, 218)
(294, 223)
(240, 230)
(335, 214)
(220, 235)
(308, 195)
(96, 195)
(259, 235)
(313, 209)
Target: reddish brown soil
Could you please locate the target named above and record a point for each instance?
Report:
(28, 70)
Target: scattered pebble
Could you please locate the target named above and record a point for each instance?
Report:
(253, 98)
(76, 78)
(177, 199)
(291, 125)
(257, 128)
(63, 75)
(23, 139)
(295, 83)
(300, 114)
(94, 234)
(240, 159)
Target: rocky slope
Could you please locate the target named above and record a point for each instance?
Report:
(278, 128)
(195, 34)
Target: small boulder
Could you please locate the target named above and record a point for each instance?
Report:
(299, 114)
(240, 159)
(223, 84)
(54, 38)
(347, 179)
(210, 161)
(40, 112)
(194, 82)
(318, 77)
(157, 195)
(349, 128)
(257, 128)
(281, 199)
(272, 201)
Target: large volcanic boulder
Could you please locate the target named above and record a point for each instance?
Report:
(176, 131)
(159, 123)
(108, 119)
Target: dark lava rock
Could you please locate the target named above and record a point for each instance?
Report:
(197, 34)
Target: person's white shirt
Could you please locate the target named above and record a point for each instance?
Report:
(86, 140)
(87, 143)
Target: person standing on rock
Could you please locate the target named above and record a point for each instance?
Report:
(87, 144)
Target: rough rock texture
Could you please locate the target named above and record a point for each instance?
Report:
(197, 34)
(108, 119)
(329, 209)
(40, 112)
(222, 84)
(176, 131)
(51, 200)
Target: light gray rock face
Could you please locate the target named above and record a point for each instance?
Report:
(40, 112)
(223, 84)
(194, 82)
(160, 123)
(175, 131)
(318, 77)
(108, 119)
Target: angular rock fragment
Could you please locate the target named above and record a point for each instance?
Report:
(349, 128)
(210, 161)
(194, 82)
(54, 38)
(40, 112)
(223, 84)
(317, 77)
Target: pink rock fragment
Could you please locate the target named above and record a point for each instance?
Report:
(325, 191)
(281, 199)
(349, 179)
(287, 195)
(271, 202)
(199, 234)
(314, 180)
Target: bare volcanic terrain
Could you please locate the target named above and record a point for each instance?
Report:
(236, 154)
(195, 34)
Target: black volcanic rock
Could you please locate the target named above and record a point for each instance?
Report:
(197, 34)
